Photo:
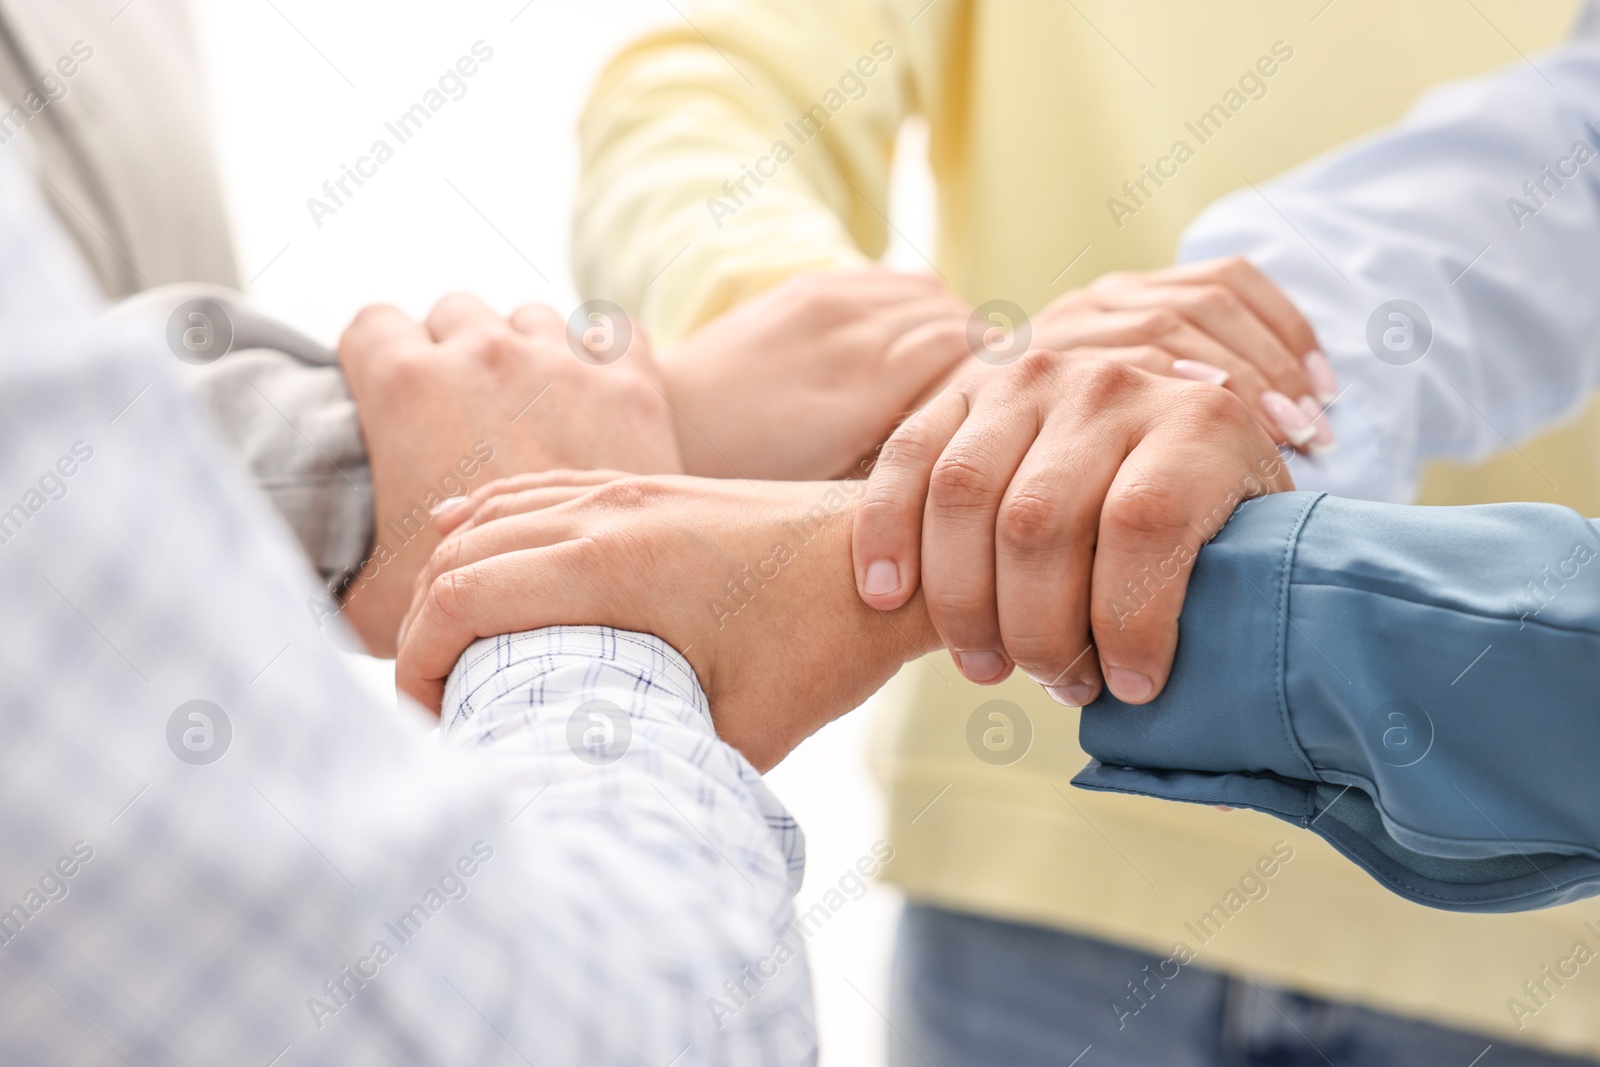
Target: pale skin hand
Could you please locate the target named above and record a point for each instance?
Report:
(805, 379)
(791, 650)
(459, 384)
(1049, 512)
(1221, 321)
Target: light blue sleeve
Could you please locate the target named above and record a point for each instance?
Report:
(1480, 210)
(1416, 685)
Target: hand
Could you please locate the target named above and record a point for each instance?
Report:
(807, 378)
(1220, 321)
(750, 581)
(1055, 506)
(468, 396)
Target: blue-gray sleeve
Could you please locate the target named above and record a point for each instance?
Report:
(1419, 686)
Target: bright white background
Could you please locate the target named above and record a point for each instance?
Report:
(480, 201)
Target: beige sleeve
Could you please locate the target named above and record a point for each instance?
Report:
(750, 140)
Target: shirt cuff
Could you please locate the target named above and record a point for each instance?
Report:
(1313, 681)
(619, 692)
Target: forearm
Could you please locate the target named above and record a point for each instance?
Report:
(704, 181)
(1439, 662)
(1481, 208)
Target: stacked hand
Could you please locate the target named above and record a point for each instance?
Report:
(753, 581)
(749, 580)
(468, 396)
(1041, 514)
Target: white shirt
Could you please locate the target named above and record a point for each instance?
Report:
(338, 887)
(1435, 211)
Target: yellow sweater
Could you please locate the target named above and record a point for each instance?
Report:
(753, 139)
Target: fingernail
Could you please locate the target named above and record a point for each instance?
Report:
(1200, 372)
(1073, 695)
(1323, 442)
(883, 576)
(1129, 685)
(1290, 419)
(446, 506)
(981, 666)
(1320, 371)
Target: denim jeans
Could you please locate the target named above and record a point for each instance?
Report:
(975, 992)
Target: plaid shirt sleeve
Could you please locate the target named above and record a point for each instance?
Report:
(216, 849)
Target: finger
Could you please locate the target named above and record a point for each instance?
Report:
(378, 328)
(458, 313)
(886, 539)
(506, 594)
(532, 529)
(537, 320)
(1219, 312)
(464, 508)
(1199, 459)
(958, 527)
(1044, 554)
(510, 505)
(1259, 292)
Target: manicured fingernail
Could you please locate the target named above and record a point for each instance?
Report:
(1323, 442)
(1200, 372)
(1073, 695)
(1320, 371)
(883, 576)
(981, 666)
(1129, 685)
(1290, 419)
(446, 507)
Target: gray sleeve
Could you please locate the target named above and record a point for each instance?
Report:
(293, 426)
(279, 401)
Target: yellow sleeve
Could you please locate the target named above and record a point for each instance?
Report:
(749, 141)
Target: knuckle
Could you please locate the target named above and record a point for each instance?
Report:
(1213, 406)
(453, 594)
(1234, 269)
(1102, 383)
(911, 445)
(625, 494)
(1143, 506)
(1156, 323)
(1033, 521)
(1113, 280)
(1035, 367)
(1216, 299)
(498, 347)
(961, 481)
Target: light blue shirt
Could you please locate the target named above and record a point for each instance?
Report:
(1481, 208)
